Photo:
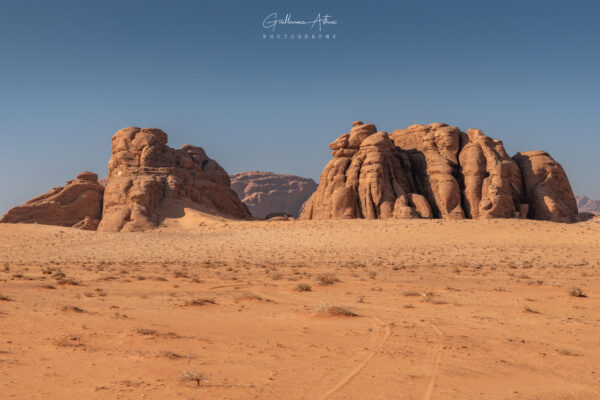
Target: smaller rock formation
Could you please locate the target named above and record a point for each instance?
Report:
(80, 200)
(267, 193)
(147, 178)
(547, 187)
(587, 205)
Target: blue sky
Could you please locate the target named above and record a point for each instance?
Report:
(74, 72)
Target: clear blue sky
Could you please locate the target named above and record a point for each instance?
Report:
(74, 72)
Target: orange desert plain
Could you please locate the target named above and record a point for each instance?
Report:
(210, 308)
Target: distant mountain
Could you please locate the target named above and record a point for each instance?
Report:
(267, 193)
(585, 204)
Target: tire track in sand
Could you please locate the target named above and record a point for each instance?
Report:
(436, 367)
(363, 364)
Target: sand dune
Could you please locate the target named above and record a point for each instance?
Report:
(443, 310)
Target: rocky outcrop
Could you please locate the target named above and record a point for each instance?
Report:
(368, 177)
(547, 188)
(493, 187)
(437, 171)
(587, 205)
(79, 200)
(266, 193)
(147, 178)
(433, 153)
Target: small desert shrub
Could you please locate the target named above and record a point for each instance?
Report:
(191, 375)
(67, 281)
(567, 352)
(68, 341)
(73, 309)
(248, 297)
(335, 311)
(303, 287)
(576, 292)
(147, 332)
(276, 276)
(199, 302)
(4, 298)
(48, 286)
(409, 293)
(170, 355)
(326, 279)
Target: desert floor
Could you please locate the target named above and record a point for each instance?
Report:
(444, 310)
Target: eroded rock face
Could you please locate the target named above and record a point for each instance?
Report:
(437, 171)
(266, 193)
(493, 187)
(433, 153)
(78, 200)
(547, 187)
(368, 177)
(145, 174)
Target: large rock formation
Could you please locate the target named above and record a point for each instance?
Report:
(437, 171)
(547, 187)
(266, 193)
(147, 179)
(368, 177)
(587, 205)
(78, 201)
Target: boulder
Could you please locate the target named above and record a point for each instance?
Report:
(547, 188)
(267, 193)
(492, 183)
(368, 177)
(78, 200)
(433, 153)
(146, 178)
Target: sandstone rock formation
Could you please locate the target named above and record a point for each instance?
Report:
(587, 205)
(493, 187)
(547, 187)
(147, 179)
(267, 193)
(433, 153)
(437, 171)
(368, 177)
(79, 200)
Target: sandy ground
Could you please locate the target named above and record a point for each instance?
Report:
(444, 310)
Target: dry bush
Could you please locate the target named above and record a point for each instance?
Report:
(4, 298)
(303, 287)
(192, 375)
(576, 292)
(48, 286)
(68, 341)
(411, 293)
(334, 311)
(248, 297)
(326, 279)
(199, 302)
(147, 332)
(73, 309)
